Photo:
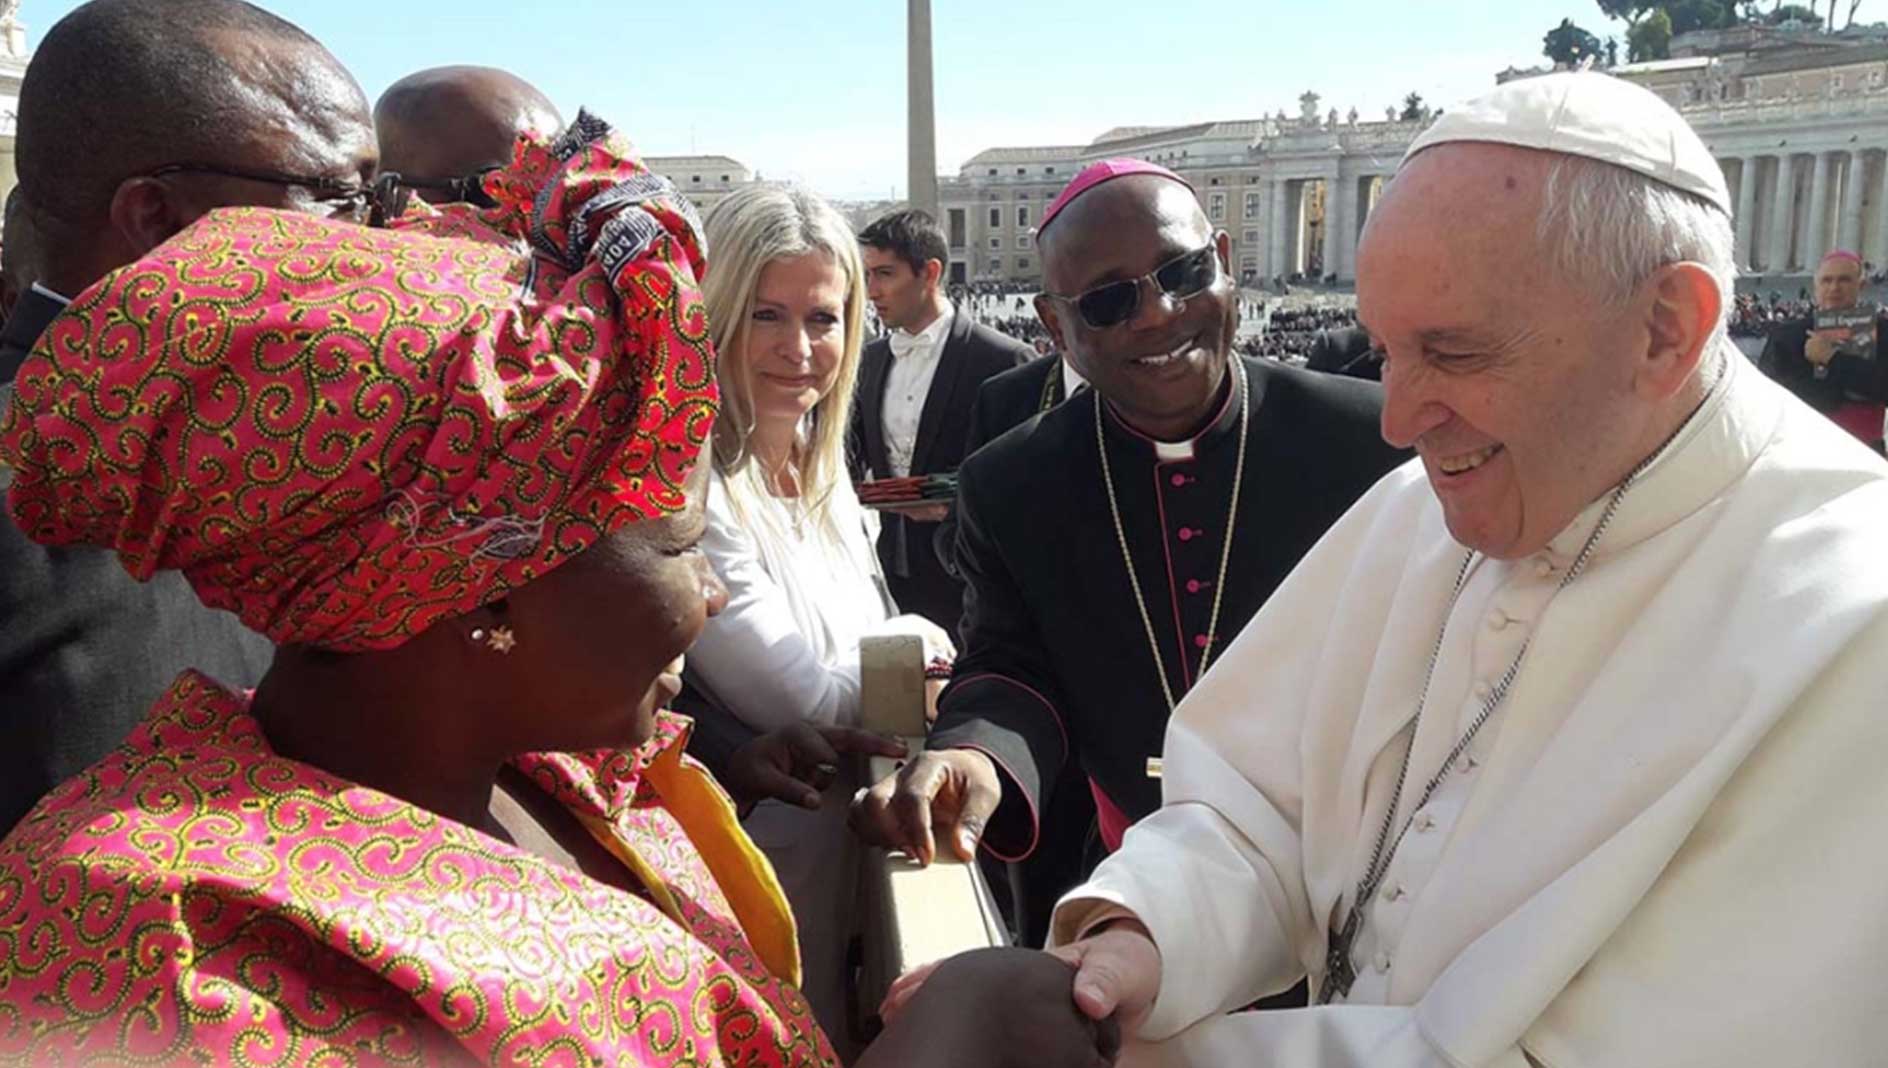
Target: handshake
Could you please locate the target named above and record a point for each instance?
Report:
(1065, 1008)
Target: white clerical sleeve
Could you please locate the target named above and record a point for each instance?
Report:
(1222, 863)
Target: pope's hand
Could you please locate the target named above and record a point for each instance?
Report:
(947, 792)
(1117, 972)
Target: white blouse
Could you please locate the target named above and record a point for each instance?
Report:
(800, 597)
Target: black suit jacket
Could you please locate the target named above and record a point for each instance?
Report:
(1055, 656)
(1846, 378)
(1015, 397)
(1007, 400)
(972, 353)
(1345, 351)
(84, 648)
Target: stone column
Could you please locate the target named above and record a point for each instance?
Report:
(1880, 256)
(1776, 253)
(1816, 234)
(1850, 235)
(1337, 214)
(921, 114)
(1278, 242)
(1746, 210)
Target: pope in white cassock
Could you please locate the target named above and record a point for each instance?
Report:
(1568, 745)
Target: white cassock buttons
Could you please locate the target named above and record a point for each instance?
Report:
(1482, 692)
(1383, 962)
(1424, 823)
(1543, 567)
(1498, 619)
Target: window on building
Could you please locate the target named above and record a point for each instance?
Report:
(996, 244)
(695, 178)
(1217, 206)
(1252, 205)
(996, 217)
(1022, 263)
(957, 227)
(1250, 237)
(1022, 215)
(1252, 179)
(724, 177)
(1022, 170)
(993, 172)
(1212, 181)
(1048, 170)
(1022, 240)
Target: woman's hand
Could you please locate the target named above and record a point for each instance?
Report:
(797, 762)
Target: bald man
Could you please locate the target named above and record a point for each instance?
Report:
(442, 126)
(208, 103)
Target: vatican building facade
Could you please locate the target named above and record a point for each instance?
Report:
(1798, 121)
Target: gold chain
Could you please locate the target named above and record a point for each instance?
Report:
(1225, 552)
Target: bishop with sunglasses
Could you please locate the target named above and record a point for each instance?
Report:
(1113, 545)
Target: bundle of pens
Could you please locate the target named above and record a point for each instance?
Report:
(891, 494)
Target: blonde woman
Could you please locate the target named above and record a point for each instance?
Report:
(786, 533)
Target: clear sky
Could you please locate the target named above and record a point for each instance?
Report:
(814, 90)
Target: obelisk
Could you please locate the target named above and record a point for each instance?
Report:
(921, 115)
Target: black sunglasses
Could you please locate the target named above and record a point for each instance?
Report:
(393, 192)
(1111, 303)
(468, 189)
(350, 199)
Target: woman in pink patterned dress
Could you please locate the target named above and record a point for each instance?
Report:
(458, 487)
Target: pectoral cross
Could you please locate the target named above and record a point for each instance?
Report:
(1339, 972)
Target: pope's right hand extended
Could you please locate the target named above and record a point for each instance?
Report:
(945, 793)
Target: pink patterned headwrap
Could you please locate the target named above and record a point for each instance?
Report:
(345, 435)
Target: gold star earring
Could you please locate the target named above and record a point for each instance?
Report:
(498, 639)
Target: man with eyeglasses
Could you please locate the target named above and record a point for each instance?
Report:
(135, 118)
(1115, 543)
(443, 129)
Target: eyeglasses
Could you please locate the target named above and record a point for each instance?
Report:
(469, 189)
(374, 204)
(345, 199)
(1109, 304)
(393, 192)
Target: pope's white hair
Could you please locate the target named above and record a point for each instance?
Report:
(1609, 229)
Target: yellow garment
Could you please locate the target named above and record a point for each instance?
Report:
(740, 869)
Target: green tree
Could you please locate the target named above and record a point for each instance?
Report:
(1793, 12)
(1413, 110)
(1627, 11)
(1689, 15)
(1650, 38)
(1567, 44)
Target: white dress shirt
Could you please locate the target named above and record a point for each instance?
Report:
(914, 365)
(800, 596)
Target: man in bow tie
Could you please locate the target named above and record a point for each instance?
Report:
(916, 388)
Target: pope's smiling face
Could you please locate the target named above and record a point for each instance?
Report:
(1515, 386)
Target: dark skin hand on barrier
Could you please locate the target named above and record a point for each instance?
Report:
(996, 1008)
(796, 763)
(943, 793)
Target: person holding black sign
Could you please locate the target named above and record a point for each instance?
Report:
(1832, 360)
